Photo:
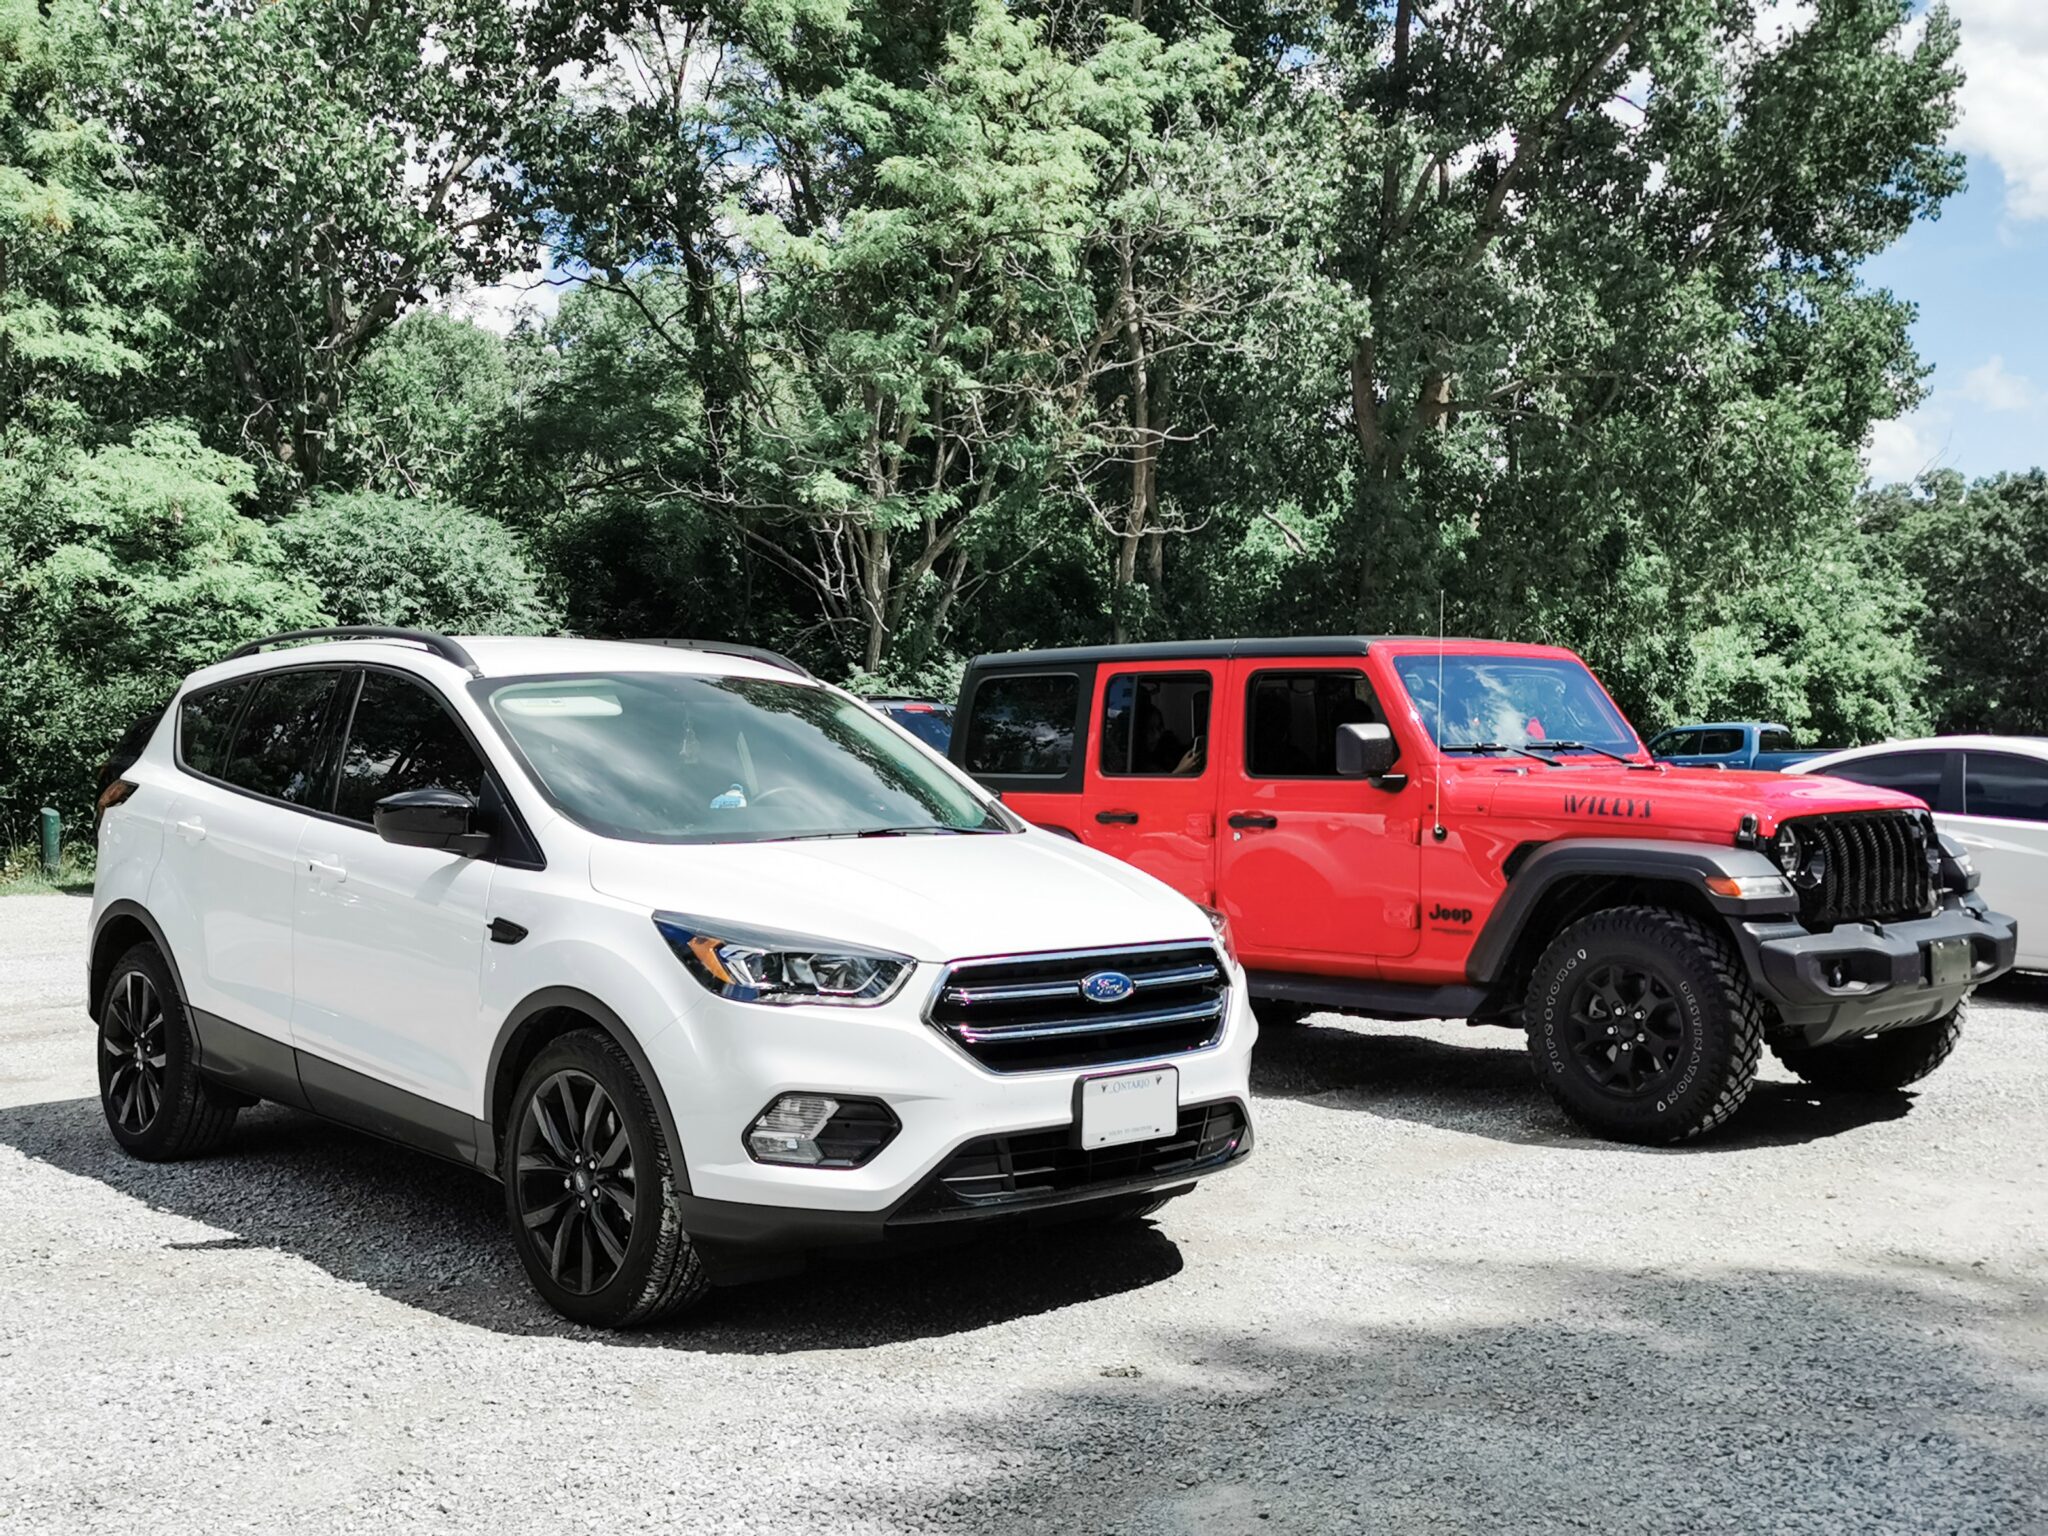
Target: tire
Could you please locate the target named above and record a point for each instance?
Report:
(1274, 1014)
(1882, 1063)
(592, 1192)
(1694, 1054)
(157, 1105)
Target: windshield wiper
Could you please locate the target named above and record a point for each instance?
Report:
(1587, 746)
(1502, 746)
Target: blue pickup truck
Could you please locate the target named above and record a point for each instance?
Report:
(1731, 744)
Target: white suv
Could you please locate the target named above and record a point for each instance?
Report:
(707, 962)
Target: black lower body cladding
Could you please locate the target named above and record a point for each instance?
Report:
(1863, 978)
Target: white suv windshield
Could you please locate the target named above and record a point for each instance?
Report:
(1514, 701)
(668, 758)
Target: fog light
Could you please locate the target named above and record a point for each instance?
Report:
(813, 1130)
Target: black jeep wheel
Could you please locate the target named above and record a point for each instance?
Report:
(1642, 1025)
(157, 1105)
(1881, 1063)
(591, 1189)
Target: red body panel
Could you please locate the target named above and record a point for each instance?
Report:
(1352, 879)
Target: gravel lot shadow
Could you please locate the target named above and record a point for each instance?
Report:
(1485, 1089)
(432, 1235)
(1615, 1400)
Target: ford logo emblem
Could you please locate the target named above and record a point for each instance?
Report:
(1107, 987)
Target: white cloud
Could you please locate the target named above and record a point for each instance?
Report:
(1905, 447)
(1778, 20)
(528, 296)
(2004, 56)
(1995, 387)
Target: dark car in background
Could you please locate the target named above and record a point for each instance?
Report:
(928, 720)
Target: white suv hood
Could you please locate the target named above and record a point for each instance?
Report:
(933, 898)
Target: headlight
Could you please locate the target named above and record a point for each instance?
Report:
(757, 965)
(1221, 925)
(1805, 863)
(1785, 849)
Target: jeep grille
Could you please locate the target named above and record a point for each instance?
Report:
(1877, 867)
(1027, 1013)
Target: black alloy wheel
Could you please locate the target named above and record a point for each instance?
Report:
(575, 1185)
(133, 1053)
(1626, 1030)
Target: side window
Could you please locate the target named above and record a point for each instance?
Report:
(402, 737)
(1776, 741)
(1293, 719)
(2006, 785)
(280, 749)
(1156, 725)
(1916, 773)
(1719, 743)
(204, 721)
(1023, 726)
(1676, 744)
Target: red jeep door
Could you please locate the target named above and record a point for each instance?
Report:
(1150, 792)
(1316, 873)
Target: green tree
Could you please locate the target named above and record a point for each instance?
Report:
(427, 564)
(1978, 554)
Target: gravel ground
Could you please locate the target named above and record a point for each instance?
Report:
(1424, 1305)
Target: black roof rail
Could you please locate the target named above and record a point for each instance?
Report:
(726, 648)
(427, 639)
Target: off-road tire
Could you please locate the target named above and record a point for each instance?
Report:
(179, 1114)
(1272, 1013)
(1882, 1063)
(1716, 1014)
(661, 1273)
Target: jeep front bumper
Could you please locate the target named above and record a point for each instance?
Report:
(1862, 978)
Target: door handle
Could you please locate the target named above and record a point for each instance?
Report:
(1253, 819)
(1117, 818)
(192, 829)
(335, 871)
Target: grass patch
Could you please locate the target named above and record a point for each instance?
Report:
(21, 874)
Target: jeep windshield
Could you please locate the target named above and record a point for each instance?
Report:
(665, 757)
(1522, 704)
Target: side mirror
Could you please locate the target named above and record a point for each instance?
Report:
(432, 818)
(1364, 751)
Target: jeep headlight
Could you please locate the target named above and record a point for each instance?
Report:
(1804, 862)
(758, 965)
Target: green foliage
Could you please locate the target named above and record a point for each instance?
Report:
(1978, 554)
(382, 559)
(121, 569)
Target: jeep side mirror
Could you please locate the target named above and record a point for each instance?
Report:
(432, 818)
(1364, 751)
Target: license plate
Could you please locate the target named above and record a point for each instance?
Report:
(1948, 962)
(1131, 1106)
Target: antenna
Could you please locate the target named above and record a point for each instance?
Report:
(1436, 809)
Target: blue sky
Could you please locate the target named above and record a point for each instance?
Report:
(1979, 273)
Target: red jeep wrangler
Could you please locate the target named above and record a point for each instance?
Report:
(1470, 829)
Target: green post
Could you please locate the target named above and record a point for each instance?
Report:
(53, 841)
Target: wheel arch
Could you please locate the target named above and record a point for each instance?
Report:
(547, 1015)
(119, 928)
(1558, 883)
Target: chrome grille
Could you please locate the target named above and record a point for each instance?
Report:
(1035, 1167)
(1028, 1013)
(1877, 867)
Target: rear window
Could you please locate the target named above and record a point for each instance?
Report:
(205, 720)
(279, 751)
(1914, 773)
(1023, 726)
(1776, 741)
(2005, 785)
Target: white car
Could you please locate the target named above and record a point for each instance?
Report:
(708, 963)
(1989, 793)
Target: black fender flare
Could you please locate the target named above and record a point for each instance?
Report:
(1638, 858)
(128, 909)
(546, 1000)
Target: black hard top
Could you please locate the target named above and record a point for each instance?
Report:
(1186, 650)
